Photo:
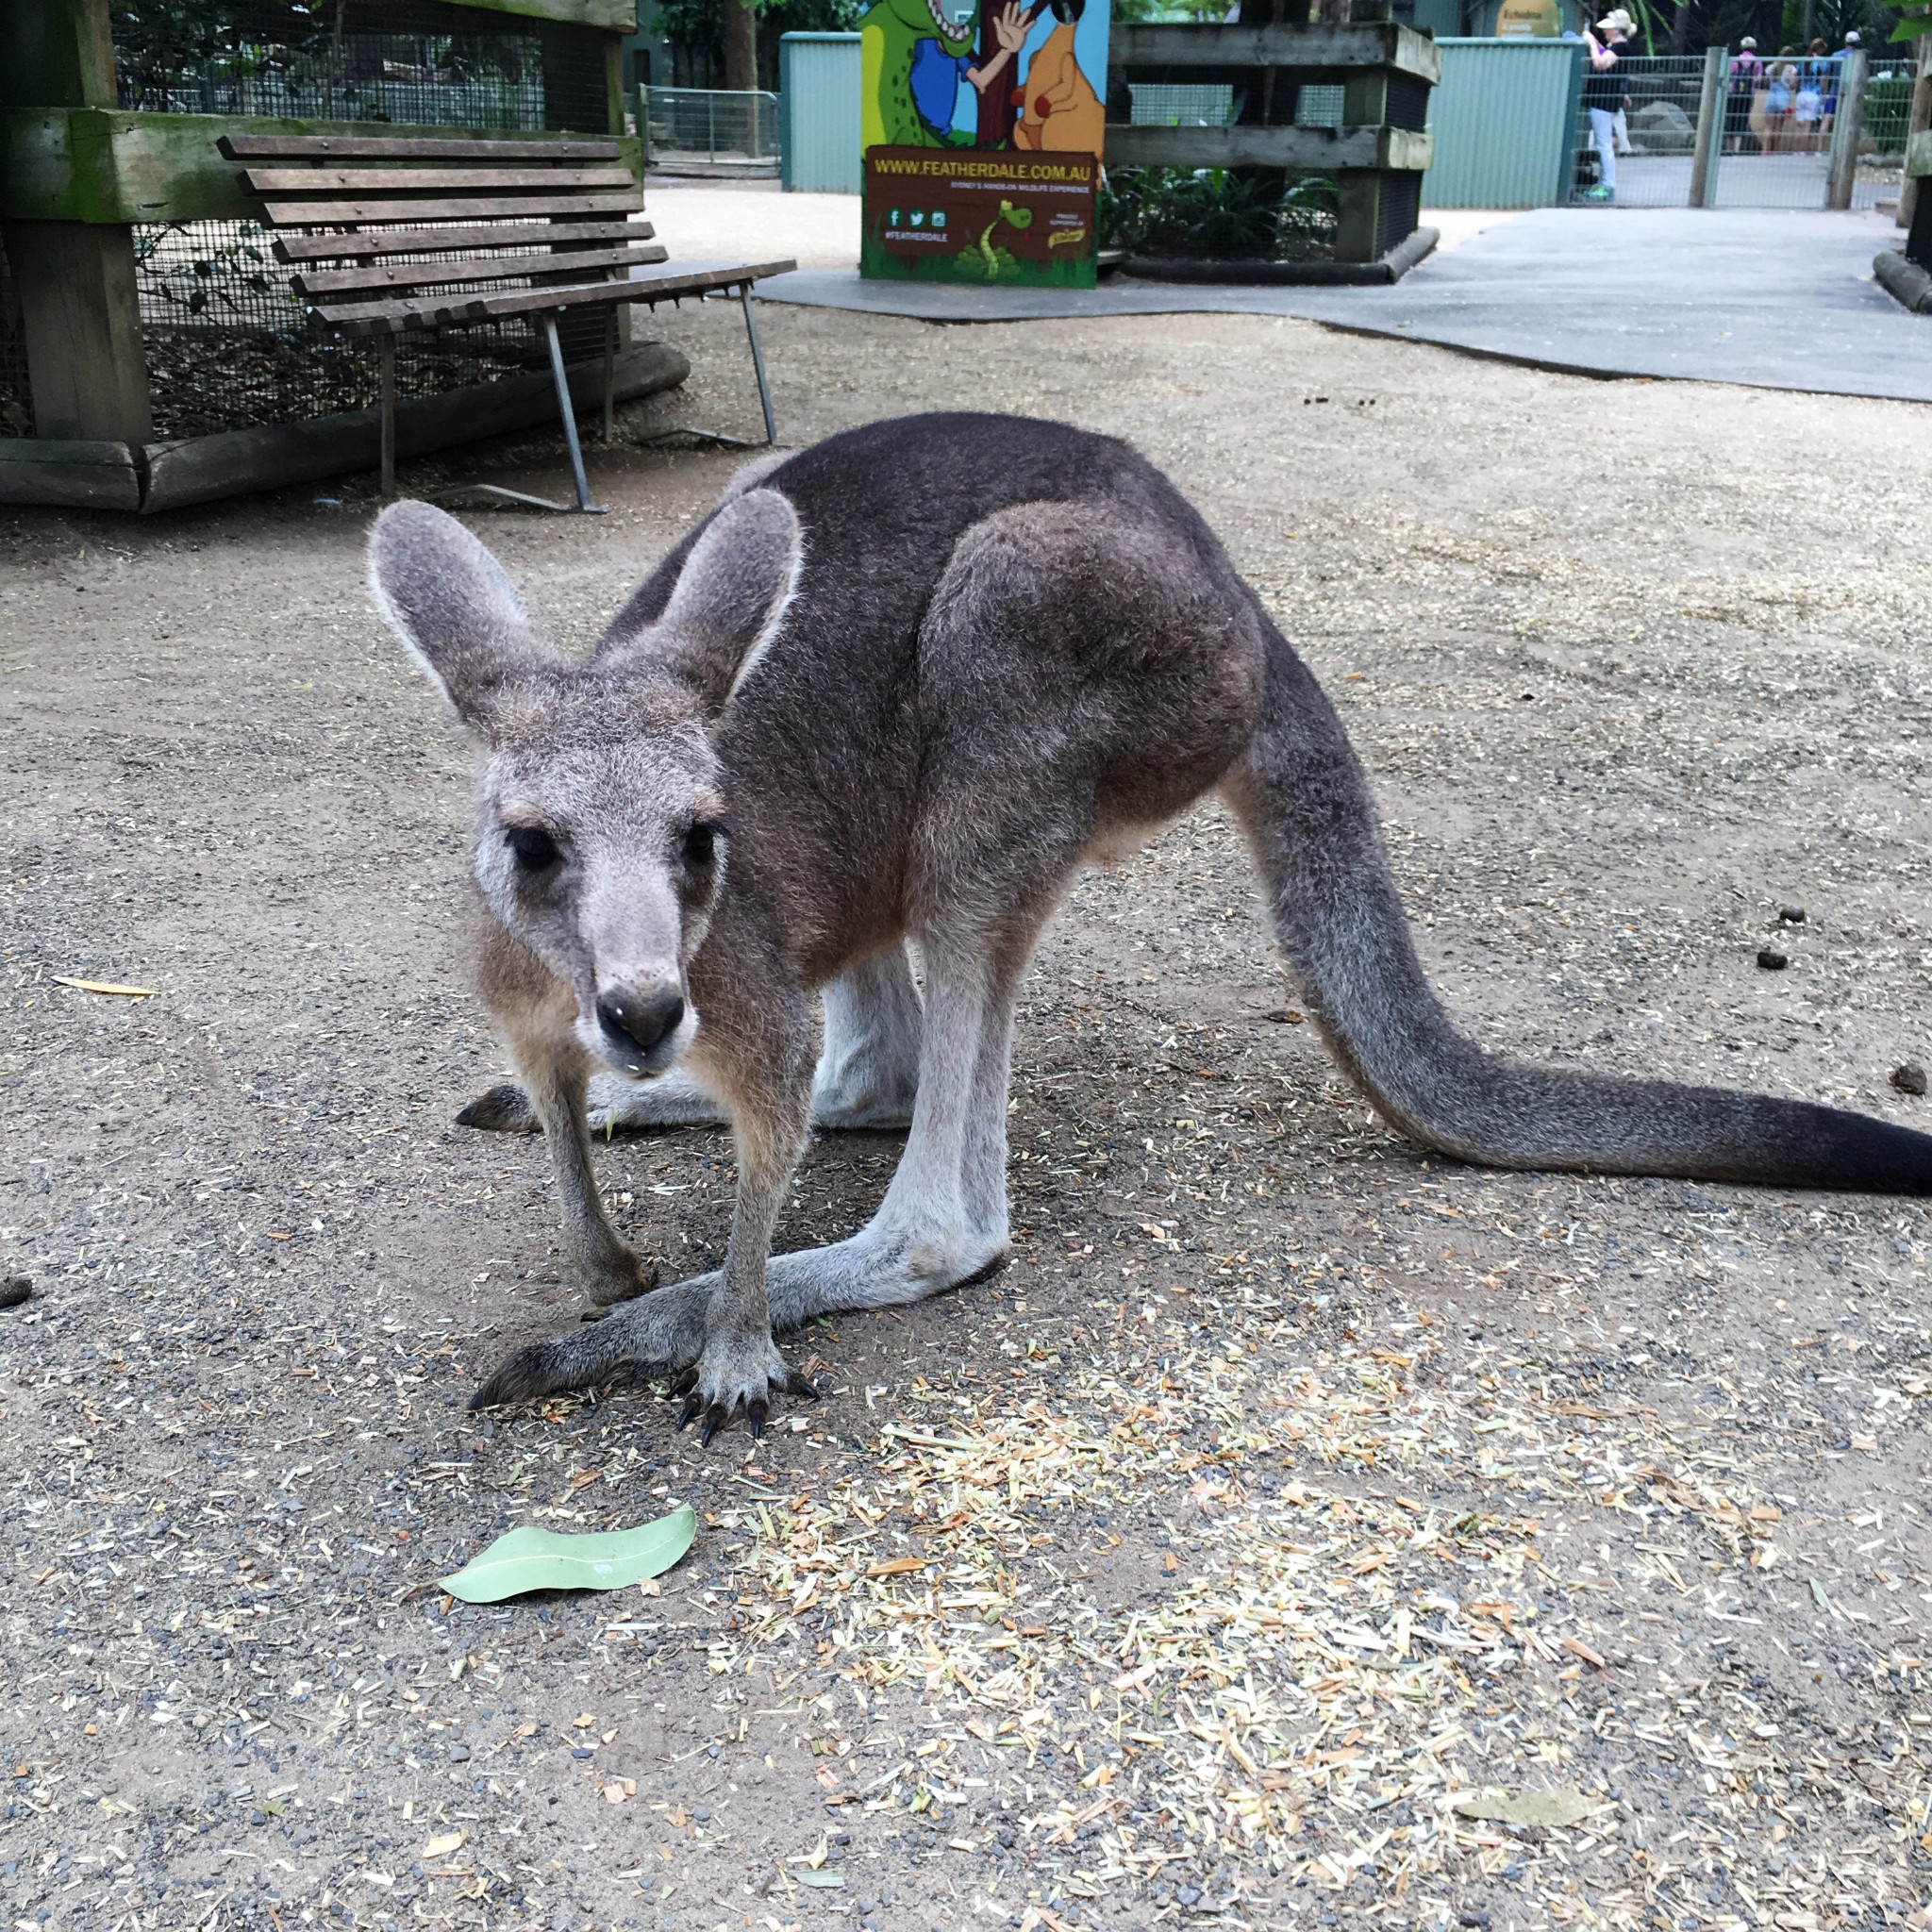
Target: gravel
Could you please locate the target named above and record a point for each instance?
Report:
(1385, 1481)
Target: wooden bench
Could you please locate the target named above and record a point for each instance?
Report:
(390, 235)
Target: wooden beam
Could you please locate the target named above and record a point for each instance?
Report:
(68, 474)
(378, 242)
(1318, 150)
(296, 214)
(95, 164)
(519, 177)
(271, 147)
(1372, 44)
(362, 319)
(82, 312)
(206, 468)
(482, 268)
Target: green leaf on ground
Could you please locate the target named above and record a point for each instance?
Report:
(532, 1558)
(1559, 1804)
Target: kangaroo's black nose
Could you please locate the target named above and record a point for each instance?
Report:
(639, 1021)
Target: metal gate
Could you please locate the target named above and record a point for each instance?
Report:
(1720, 131)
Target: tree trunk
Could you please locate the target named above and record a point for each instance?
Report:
(1919, 120)
(998, 109)
(741, 47)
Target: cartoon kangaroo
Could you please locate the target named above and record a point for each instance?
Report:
(902, 685)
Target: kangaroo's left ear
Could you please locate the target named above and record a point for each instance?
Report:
(729, 600)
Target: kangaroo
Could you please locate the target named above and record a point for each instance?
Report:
(900, 686)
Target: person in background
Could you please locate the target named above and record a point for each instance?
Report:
(1746, 78)
(1777, 104)
(1834, 66)
(1604, 92)
(1808, 98)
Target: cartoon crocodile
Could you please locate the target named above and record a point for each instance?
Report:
(913, 56)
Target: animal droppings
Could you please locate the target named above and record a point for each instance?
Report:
(18, 1290)
(1791, 915)
(1772, 960)
(1909, 1078)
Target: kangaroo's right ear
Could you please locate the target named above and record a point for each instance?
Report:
(454, 608)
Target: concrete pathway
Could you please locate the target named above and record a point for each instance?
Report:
(1772, 300)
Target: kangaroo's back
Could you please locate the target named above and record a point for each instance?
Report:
(822, 744)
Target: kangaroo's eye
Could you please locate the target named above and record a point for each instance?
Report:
(700, 846)
(534, 848)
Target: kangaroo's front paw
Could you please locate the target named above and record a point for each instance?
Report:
(737, 1372)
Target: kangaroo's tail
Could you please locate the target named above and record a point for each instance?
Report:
(1305, 803)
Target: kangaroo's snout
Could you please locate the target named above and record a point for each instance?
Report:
(637, 1023)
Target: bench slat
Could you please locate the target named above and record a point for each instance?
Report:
(342, 147)
(393, 318)
(515, 178)
(380, 242)
(482, 268)
(350, 214)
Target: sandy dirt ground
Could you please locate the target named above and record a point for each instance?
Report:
(1302, 1531)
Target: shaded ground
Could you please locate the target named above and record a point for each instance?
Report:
(1290, 1508)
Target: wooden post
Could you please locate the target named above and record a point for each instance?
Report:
(1359, 215)
(55, 54)
(81, 317)
(1848, 125)
(1918, 122)
(81, 312)
(1713, 99)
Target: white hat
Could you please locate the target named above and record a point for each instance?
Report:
(1852, 38)
(1617, 21)
(1749, 43)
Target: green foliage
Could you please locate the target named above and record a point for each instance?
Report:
(1154, 12)
(1913, 21)
(1216, 214)
(699, 25)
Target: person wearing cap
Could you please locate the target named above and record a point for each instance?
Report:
(1605, 90)
(1746, 79)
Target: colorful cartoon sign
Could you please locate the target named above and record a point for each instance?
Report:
(982, 126)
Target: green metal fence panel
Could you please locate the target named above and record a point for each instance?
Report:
(818, 113)
(1504, 116)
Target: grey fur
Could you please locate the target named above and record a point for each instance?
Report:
(924, 671)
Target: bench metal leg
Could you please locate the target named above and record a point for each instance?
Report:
(386, 356)
(757, 362)
(583, 505)
(568, 413)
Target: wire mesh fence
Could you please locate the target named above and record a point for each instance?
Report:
(1781, 125)
(683, 125)
(1163, 104)
(1637, 130)
(228, 346)
(1882, 136)
(16, 403)
(415, 61)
